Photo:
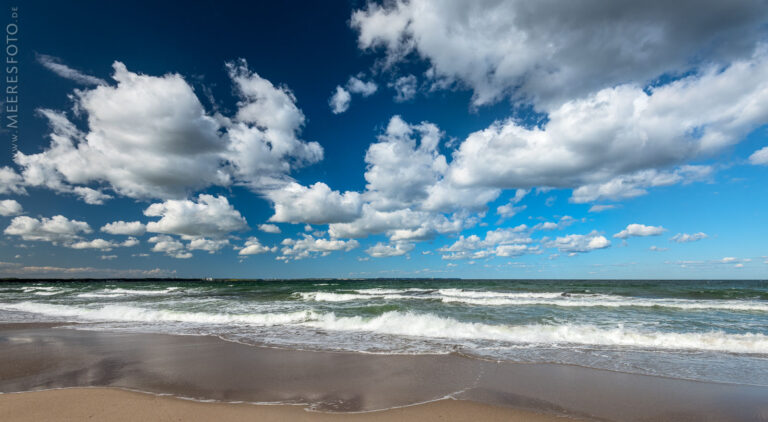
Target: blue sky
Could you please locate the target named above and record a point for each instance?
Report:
(486, 139)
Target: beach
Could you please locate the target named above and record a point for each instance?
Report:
(166, 377)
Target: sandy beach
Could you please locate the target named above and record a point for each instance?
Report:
(75, 404)
(324, 385)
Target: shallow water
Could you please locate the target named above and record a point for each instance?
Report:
(704, 330)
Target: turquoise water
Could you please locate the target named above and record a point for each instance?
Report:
(705, 330)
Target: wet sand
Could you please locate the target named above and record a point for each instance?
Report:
(40, 356)
(77, 404)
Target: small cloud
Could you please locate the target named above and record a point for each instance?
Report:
(405, 88)
(759, 157)
(640, 230)
(269, 228)
(657, 249)
(601, 208)
(340, 100)
(685, 237)
(54, 65)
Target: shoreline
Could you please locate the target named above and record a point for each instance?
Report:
(39, 357)
(110, 403)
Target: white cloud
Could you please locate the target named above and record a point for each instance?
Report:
(342, 96)
(601, 207)
(10, 207)
(210, 216)
(103, 245)
(254, 247)
(307, 245)
(150, 137)
(54, 65)
(316, 204)
(357, 86)
(503, 242)
(133, 228)
(210, 245)
(759, 157)
(55, 229)
(340, 100)
(685, 237)
(657, 249)
(537, 51)
(639, 230)
(381, 250)
(405, 169)
(405, 88)
(170, 246)
(269, 228)
(91, 196)
(11, 182)
(577, 243)
(635, 184)
(509, 210)
(108, 257)
(621, 132)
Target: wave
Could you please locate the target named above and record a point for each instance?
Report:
(424, 325)
(121, 313)
(563, 299)
(429, 325)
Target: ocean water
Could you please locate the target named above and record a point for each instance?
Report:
(702, 330)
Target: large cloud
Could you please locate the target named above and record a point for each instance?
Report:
(548, 51)
(150, 137)
(620, 131)
(317, 204)
(55, 229)
(210, 216)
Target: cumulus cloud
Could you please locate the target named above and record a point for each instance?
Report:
(358, 86)
(133, 228)
(578, 243)
(503, 242)
(685, 237)
(759, 157)
(170, 246)
(308, 245)
(103, 245)
(405, 88)
(210, 245)
(91, 196)
(342, 96)
(636, 184)
(269, 228)
(11, 182)
(55, 229)
(10, 207)
(254, 247)
(548, 52)
(405, 169)
(210, 216)
(55, 65)
(621, 132)
(150, 137)
(340, 100)
(316, 204)
(381, 250)
(640, 230)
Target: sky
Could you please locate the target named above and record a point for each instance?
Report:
(422, 138)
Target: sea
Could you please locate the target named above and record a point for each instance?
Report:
(713, 330)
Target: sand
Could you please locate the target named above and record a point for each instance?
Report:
(42, 357)
(105, 404)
